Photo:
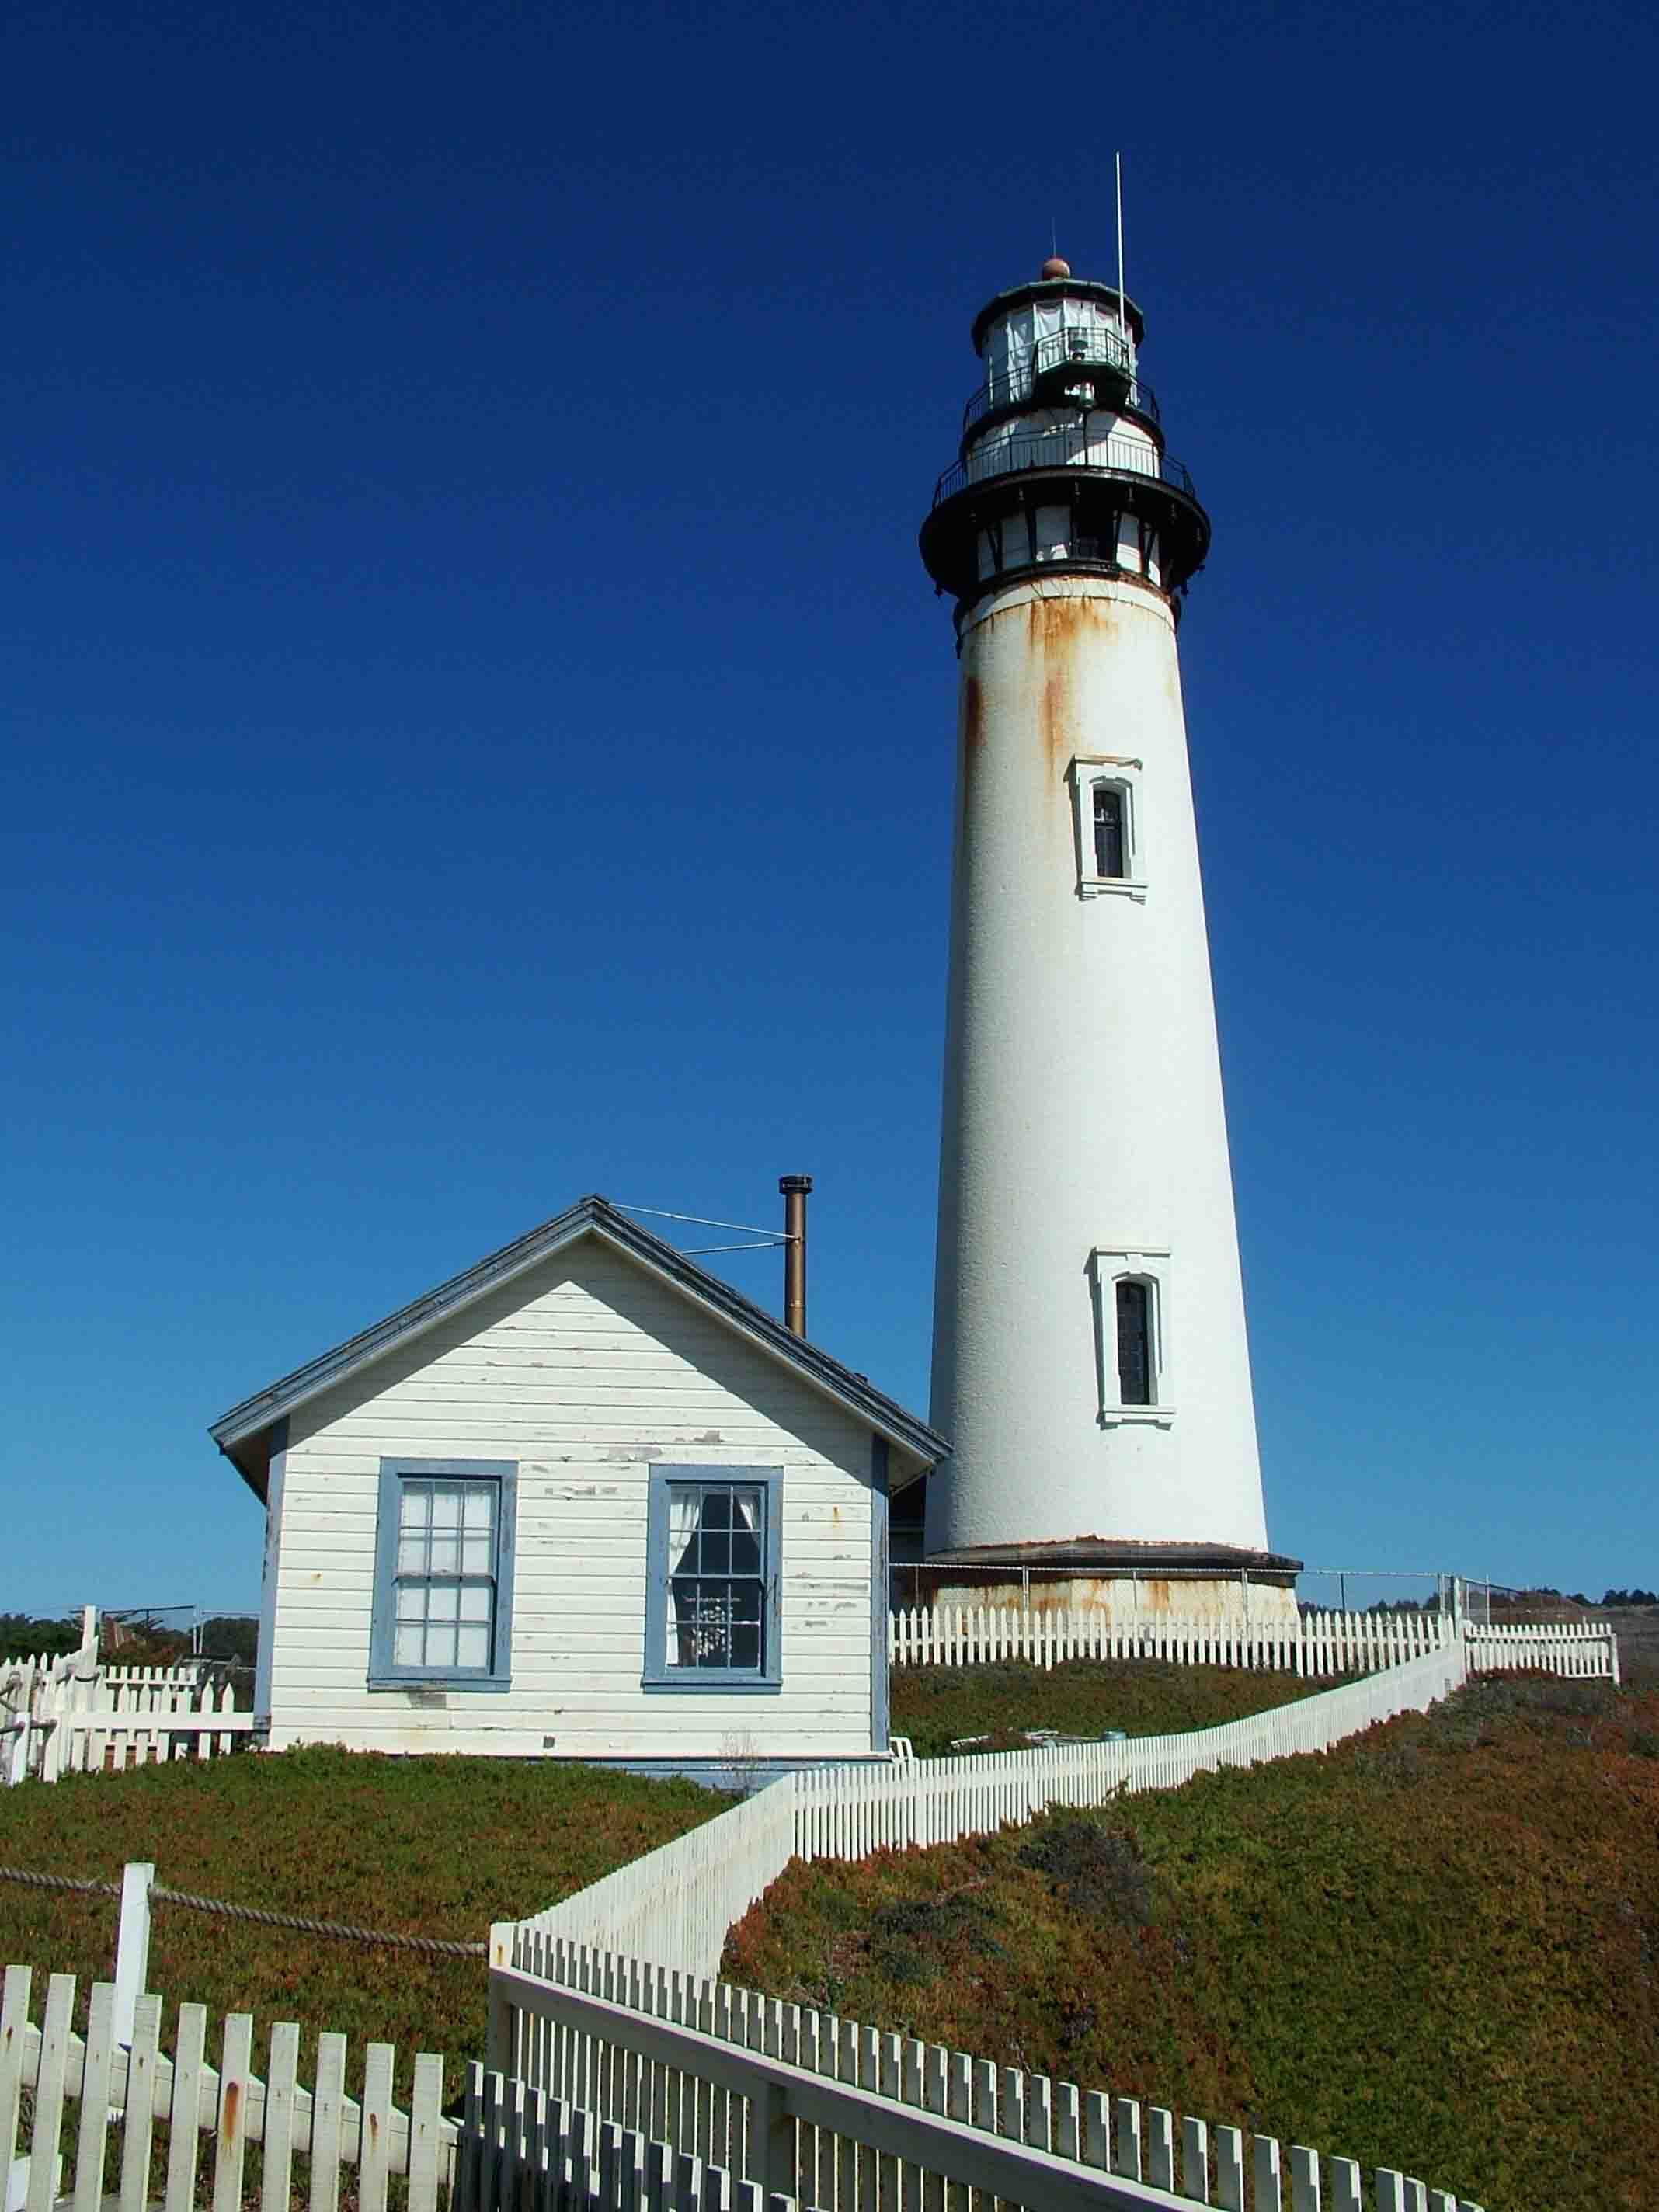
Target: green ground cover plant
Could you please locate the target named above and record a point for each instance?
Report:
(1435, 1947)
(418, 1846)
(1081, 1696)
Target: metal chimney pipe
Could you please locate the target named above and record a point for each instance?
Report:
(795, 1189)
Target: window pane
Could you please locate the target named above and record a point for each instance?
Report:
(715, 1564)
(1108, 830)
(446, 1528)
(749, 1529)
(1134, 1365)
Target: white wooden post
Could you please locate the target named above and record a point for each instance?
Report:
(500, 2055)
(132, 1945)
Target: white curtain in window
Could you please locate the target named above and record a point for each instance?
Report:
(684, 1504)
(746, 1510)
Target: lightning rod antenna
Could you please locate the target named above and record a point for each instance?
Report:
(1123, 316)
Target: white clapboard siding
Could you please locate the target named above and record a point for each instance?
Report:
(147, 2102)
(586, 1372)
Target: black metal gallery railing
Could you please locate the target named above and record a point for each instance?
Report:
(1014, 389)
(1079, 347)
(1070, 448)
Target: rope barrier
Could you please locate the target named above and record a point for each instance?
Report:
(433, 1946)
(436, 1946)
(59, 1882)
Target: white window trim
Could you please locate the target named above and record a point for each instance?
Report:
(1150, 1264)
(1124, 775)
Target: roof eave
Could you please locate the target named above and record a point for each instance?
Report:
(589, 1216)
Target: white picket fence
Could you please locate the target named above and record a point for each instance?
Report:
(126, 2093)
(72, 1715)
(1583, 1649)
(822, 2112)
(89, 2123)
(675, 1905)
(610, 1997)
(1316, 1644)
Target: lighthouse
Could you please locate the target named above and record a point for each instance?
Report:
(1090, 1360)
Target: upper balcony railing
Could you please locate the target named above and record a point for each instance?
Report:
(1067, 448)
(1015, 389)
(1081, 349)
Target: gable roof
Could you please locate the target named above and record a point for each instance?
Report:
(249, 1422)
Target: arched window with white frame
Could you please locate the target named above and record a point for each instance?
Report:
(1131, 1289)
(1106, 805)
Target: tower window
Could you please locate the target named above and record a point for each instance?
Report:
(1108, 832)
(1129, 1289)
(1108, 818)
(1135, 1342)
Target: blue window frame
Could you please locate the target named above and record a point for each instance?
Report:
(443, 1573)
(713, 1576)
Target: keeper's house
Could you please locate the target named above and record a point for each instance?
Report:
(584, 1501)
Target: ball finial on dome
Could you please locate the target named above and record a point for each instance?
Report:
(1054, 266)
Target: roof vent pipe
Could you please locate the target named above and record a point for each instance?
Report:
(794, 1188)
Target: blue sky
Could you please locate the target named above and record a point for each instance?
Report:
(476, 729)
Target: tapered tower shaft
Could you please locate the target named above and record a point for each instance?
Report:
(1089, 1359)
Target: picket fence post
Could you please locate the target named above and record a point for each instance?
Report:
(132, 1945)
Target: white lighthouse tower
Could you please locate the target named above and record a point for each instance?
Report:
(1090, 1362)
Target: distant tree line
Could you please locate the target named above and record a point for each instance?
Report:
(229, 1637)
(30, 1636)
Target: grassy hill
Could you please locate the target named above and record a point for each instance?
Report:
(420, 1846)
(1435, 1947)
(932, 1705)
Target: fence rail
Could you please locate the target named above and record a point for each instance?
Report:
(827, 2112)
(1573, 1648)
(91, 2124)
(609, 1998)
(1315, 1644)
(74, 1715)
(126, 2093)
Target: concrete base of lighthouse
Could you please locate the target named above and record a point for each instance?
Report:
(1126, 1582)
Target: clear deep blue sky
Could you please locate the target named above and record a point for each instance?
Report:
(477, 730)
